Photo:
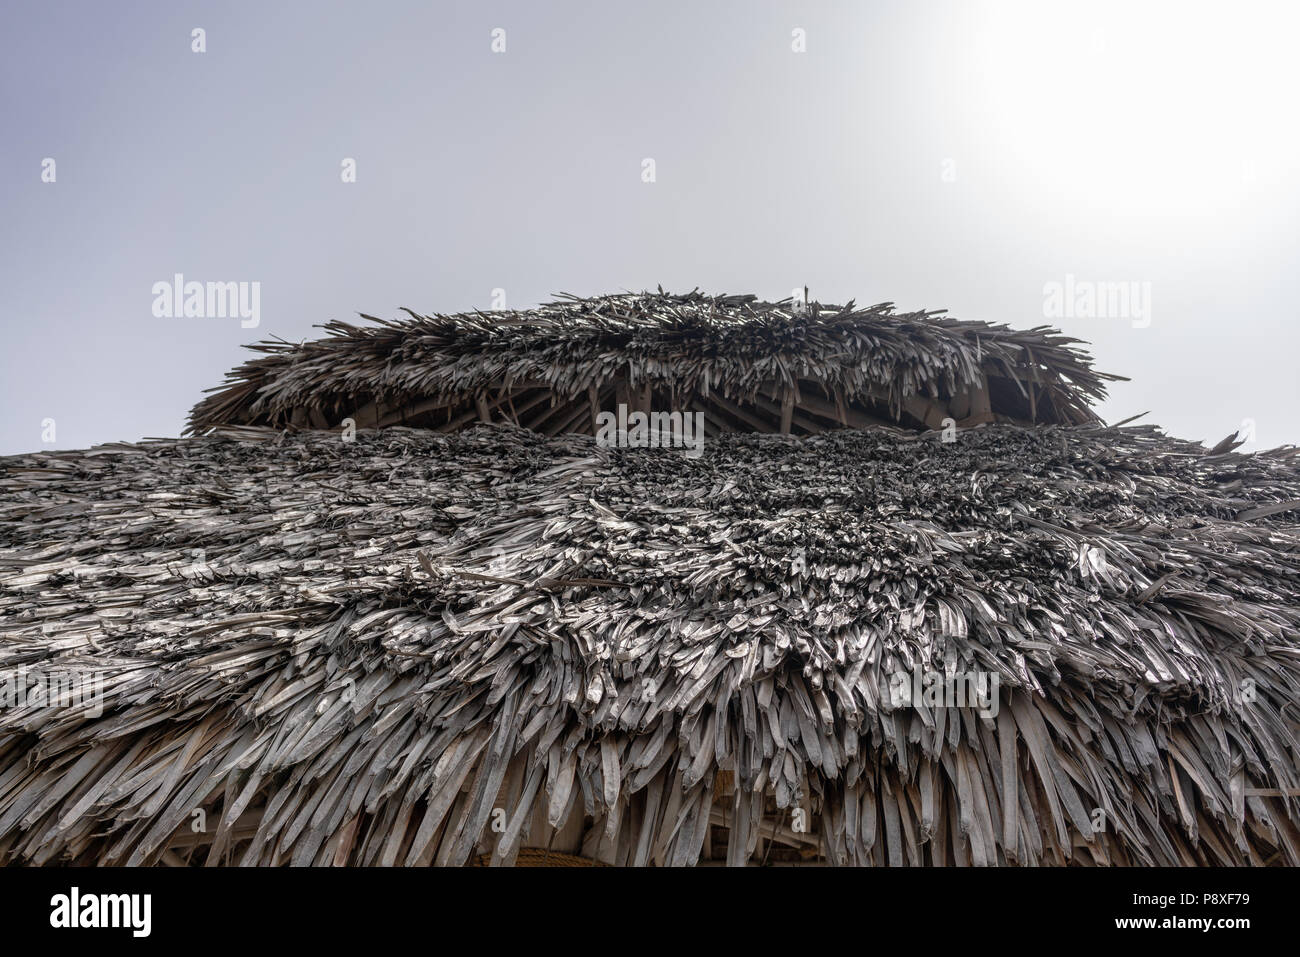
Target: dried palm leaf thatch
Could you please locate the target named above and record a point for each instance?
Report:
(739, 359)
(421, 648)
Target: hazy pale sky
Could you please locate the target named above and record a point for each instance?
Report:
(941, 155)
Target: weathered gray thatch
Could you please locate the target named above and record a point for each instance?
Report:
(388, 646)
(749, 365)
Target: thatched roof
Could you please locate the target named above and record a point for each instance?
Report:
(749, 365)
(418, 647)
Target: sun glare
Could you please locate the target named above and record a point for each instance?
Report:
(1141, 109)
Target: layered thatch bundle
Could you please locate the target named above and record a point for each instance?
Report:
(418, 647)
(748, 365)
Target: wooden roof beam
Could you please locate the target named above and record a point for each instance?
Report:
(981, 410)
(739, 412)
(806, 424)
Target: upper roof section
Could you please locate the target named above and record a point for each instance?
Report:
(749, 366)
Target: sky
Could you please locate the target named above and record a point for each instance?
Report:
(1126, 172)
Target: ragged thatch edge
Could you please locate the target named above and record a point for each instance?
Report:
(684, 347)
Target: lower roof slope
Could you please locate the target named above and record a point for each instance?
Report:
(382, 642)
